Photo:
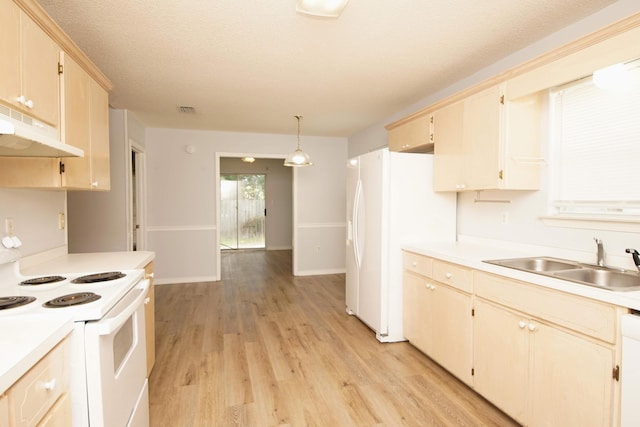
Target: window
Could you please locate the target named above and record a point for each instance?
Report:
(595, 148)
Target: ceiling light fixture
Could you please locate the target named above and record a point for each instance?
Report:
(298, 158)
(324, 8)
(248, 159)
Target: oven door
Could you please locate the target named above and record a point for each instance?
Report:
(116, 363)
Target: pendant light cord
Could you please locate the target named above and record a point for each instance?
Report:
(298, 117)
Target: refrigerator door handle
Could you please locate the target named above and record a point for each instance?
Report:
(356, 224)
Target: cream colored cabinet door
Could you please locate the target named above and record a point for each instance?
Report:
(76, 128)
(449, 161)
(450, 327)
(501, 358)
(482, 132)
(150, 319)
(29, 67)
(10, 70)
(100, 161)
(571, 379)
(412, 136)
(416, 311)
(85, 126)
(40, 81)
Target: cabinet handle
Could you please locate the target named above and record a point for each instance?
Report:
(532, 327)
(50, 385)
(448, 275)
(29, 104)
(147, 300)
(522, 324)
(414, 263)
(94, 184)
(21, 99)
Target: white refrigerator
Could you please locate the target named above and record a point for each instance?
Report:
(390, 204)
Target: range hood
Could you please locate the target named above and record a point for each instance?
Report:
(20, 139)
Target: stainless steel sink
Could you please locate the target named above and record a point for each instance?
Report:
(536, 264)
(586, 274)
(602, 278)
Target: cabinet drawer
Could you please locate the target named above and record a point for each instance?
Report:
(32, 395)
(580, 314)
(453, 275)
(419, 264)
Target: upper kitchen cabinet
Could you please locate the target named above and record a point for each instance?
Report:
(486, 142)
(449, 149)
(29, 67)
(86, 126)
(75, 95)
(414, 135)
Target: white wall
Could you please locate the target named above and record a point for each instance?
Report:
(182, 195)
(485, 220)
(35, 218)
(278, 194)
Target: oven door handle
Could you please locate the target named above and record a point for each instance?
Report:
(111, 324)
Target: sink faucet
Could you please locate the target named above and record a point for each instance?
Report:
(636, 257)
(600, 251)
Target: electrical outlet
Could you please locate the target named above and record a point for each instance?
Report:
(8, 226)
(61, 221)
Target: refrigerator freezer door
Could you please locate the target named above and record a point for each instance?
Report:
(351, 296)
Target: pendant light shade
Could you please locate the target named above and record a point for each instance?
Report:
(298, 158)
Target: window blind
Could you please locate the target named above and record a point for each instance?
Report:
(596, 148)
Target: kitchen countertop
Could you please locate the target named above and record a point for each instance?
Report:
(472, 254)
(91, 262)
(27, 339)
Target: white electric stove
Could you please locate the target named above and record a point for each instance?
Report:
(108, 383)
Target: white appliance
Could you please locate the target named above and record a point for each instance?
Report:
(390, 204)
(630, 370)
(108, 384)
(28, 137)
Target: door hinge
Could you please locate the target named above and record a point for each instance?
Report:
(473, 312)
(431, 119)
(616, 373)
(501, 174)
(60, 68)
(502, 99)
(473, 372)
(61, 168)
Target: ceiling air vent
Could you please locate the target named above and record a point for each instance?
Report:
(186, 110)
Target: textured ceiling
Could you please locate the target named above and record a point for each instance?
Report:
(250, 66)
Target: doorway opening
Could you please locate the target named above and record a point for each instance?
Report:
(242, 211)
(136, 192)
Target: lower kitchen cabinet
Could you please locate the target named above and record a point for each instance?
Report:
(540, 374)
(150, 319)
(41, 396)
(437, 321)
(542, 356)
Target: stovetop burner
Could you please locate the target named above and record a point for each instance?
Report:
(99, 277)
(72, 299)
(42, 280)
(11, 302)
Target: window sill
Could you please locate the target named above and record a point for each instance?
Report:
(627, 225)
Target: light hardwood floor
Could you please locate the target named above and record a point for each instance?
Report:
(265, 348)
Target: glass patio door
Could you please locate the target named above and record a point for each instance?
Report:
(242, 211)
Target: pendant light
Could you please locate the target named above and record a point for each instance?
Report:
(298, 158)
